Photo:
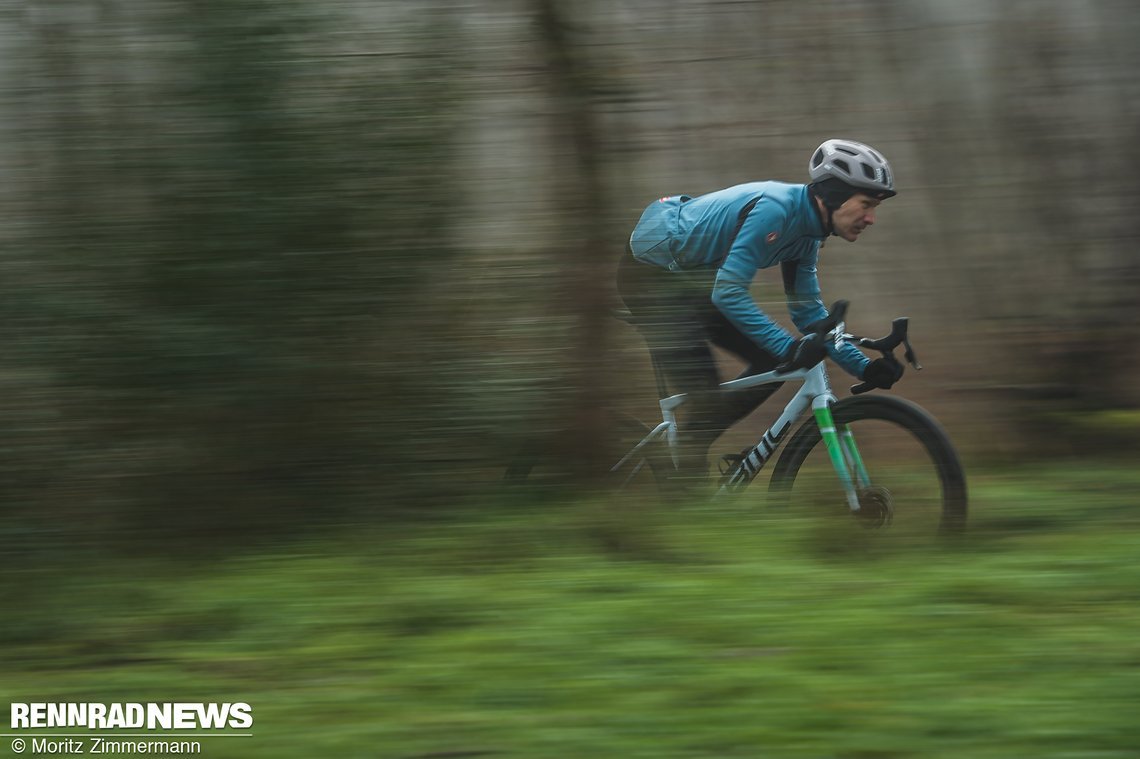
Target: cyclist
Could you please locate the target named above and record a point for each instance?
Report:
(693, 259)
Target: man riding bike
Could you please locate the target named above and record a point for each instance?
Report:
(694, 258)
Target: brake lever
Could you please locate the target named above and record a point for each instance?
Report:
(910, 357)
(884, 345)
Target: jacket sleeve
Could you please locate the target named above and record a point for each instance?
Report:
(749, 253)
(801, 286)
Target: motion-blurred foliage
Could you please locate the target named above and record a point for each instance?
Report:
(223, 276)
(268, 261)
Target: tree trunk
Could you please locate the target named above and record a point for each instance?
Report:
(586, 252)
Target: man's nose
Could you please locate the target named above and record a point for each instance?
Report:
(869, 217)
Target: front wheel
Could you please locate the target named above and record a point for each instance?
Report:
(912, 478)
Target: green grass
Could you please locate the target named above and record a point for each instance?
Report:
(569, 631)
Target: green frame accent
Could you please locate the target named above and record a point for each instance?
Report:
(854, 459)
(837, 452)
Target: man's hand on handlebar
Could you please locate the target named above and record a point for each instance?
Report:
(883, 372)
(810, 350)
(806, 353)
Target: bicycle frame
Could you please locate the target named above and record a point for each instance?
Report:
(815, 393)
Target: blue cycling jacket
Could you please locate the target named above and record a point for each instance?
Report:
(738, 231)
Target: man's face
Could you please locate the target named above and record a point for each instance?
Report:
(851, 218)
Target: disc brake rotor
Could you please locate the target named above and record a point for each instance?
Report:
(876, 508)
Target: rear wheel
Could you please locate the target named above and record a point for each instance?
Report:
(544, 470)
(916, 483)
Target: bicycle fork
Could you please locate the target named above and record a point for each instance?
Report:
(844, 454)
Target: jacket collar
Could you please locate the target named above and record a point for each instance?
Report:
(811, 222)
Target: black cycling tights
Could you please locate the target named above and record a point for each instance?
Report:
(675, 313)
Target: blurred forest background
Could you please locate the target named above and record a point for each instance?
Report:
(284, 283)
(271, 261)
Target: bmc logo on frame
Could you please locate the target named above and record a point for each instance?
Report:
(151, 716)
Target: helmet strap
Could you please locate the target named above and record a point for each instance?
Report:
(832, 193)
(828, 208)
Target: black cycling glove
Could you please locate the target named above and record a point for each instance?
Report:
(806, 353)
(883, 372)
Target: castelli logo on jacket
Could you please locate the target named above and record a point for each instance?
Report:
(772, 237)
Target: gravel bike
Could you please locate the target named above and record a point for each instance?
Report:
(874, 455)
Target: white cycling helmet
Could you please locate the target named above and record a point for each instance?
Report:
(855, 164)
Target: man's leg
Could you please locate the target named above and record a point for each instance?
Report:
(736, 405)
(679, 323)
(669, 315)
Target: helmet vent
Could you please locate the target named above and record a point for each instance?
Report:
(817, 159)
(868, 171)
(843, 165)
(848, 151)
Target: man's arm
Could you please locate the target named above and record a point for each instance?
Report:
(730, 292)
(750, 252)
(801, 286)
